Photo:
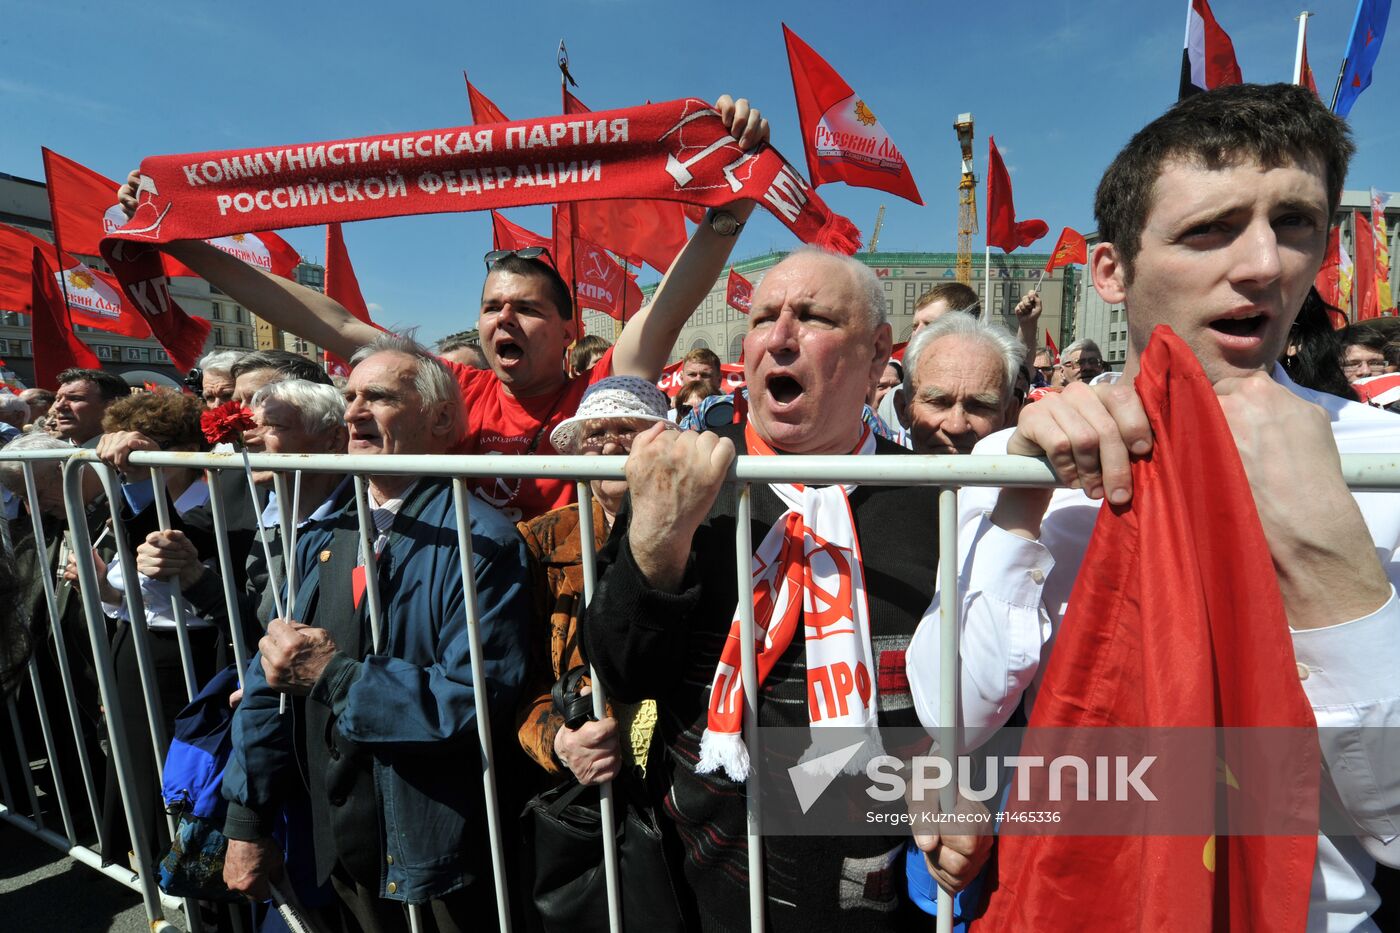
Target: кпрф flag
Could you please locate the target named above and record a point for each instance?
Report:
(56, 347)
(1367, 31)
(739, 293)
(1208, 60)
(841, 135)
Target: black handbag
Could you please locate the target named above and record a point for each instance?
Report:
(563, 854)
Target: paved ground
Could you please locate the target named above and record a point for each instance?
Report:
(42, 890)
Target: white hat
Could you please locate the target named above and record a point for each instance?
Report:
(630, 397)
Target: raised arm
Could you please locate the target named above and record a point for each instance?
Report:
(646, 341)
(284, 304)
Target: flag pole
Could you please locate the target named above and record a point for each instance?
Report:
(1298, 53)
(987, 284)
(58, 251)
(564, 79)
(1341, 73)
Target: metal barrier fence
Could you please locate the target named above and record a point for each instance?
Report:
(1362, 472)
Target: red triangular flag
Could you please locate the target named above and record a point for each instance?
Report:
(1208, 59)
(344, 287)
(483, 110)
(507, 235)
(1175, 622)
(641, 230)
(841, 135)
(1050, 345)
(84, 208)
(56, 347)
(739, 293)
(1002, 228)
(1070, 247)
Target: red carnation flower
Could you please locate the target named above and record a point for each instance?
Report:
(226, 423)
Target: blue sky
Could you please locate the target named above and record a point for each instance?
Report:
(1060, 84)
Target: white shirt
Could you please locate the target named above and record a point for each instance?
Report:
(156, 595)
(1015, 592)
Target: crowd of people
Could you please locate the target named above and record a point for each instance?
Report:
(354, 767)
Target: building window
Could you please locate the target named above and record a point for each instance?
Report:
(104, 352)
(162, 357)
(218, 336)
(133, 354)
(11, 318)
(217, 314)
(889, 306)
(889, 286)
(909, 289)
(1013, 289)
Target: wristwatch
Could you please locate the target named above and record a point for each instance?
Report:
(723, 223)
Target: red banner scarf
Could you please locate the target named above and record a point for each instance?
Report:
(678, 151)
(807, 572)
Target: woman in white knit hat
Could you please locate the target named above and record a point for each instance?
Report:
(612, 412)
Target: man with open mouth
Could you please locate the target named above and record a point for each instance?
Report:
(1214, 221)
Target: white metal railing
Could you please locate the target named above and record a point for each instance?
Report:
(1362, 472)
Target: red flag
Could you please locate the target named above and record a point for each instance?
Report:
(644, 231)
(843, 139)
(1363, 242)
(739, 294)
(1307, 75)
(602, 284)
(1002, 228)
(507, 235)
(1050, 345)
(1208, 59)
(483, 110)
(56, 348)
(1328, 282)
(1070, 247)
(94, 299)
(342, 285)
(84, 209)
(1176, 620)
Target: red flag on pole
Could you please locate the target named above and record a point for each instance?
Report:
(56, 347)
(344, 287)
(1328, 282)
(841, 135)
(1176, 621)
(1002, 229)
(507, 235)
(1050, 345)
(1307, 77)
(602, 284)
(641, 230)
(84, 208)
(739, 294)
(94, 299)
(1208, 59)
(1070, 247)
(1363, 241)
(483, 110)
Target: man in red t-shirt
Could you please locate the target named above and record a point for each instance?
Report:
(526, 325)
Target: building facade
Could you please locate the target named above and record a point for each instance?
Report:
(903, 276)
(24, 203)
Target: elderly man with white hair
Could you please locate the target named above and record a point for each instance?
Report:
(291, 417)
(14, 415)
(959, 377)
(390, 749)
(216, 376)
(662, 620)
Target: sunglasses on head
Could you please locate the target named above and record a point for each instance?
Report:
(529, 252)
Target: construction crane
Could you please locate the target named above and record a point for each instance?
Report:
(879, 222)
(967, 200)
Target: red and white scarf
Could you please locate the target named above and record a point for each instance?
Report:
(807, 570)
(678, 151)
